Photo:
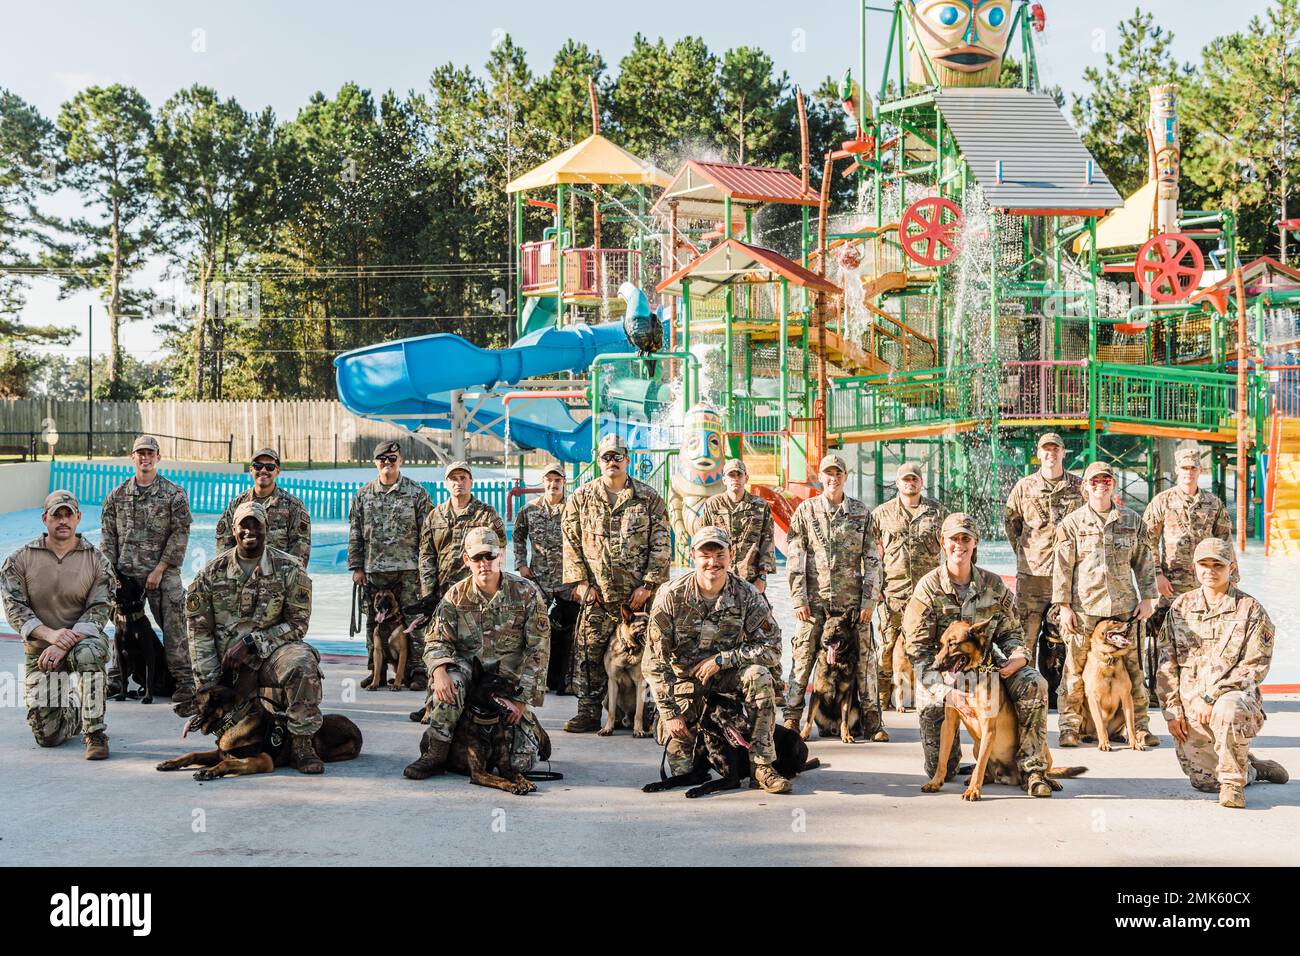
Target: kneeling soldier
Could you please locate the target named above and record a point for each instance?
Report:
(497, 617)
(56, 597)
(712, 626)
(250, 607)
(1216, 645)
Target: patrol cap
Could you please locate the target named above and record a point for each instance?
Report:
(250, 509)
(387, 447)
(710, 535)
(479, 540)
(60, 499)
(1214, 549)
(908, 468)
(1050, 438)
(555, 468)
(1098, 468)
(833, 460)
(1188, 458)
(458, 466)
(267, 453)
(611, 442)
(734, 465)
(960, 523)
(146, 441)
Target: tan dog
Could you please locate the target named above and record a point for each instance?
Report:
(904, 680)
(1107, 686)
(979, 700)
(626, 690)
(392, 644)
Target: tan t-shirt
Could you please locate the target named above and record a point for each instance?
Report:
(41, 588)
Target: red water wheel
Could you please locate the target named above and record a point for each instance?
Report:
(1169, 267)
(929, 231)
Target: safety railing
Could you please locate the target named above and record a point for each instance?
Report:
(755, 413)
(599, 272)
(900, 400)
(1043, 389)
(1284, 389)
(538, 265)
(1168, 397)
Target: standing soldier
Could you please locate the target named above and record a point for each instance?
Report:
(55, 592)
(747, 520)
(443, 537)
(833, 565)
(1102, 569)
(616, 552)
(1038, 503)
(496, 617)
(288, 524)
(145, 530)
(384, 545)
(537, 525)
(1215, 649)
(712, 628)
(907, 534)
(250, 606)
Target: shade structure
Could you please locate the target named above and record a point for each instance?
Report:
(734, 261)
(594, 161)
(699, 189)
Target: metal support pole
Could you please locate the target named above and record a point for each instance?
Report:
(1243, 470)
(783, 352)
(686, 341)
(559, 252)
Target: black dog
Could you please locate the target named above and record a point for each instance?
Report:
(722, 744)
(139, 652)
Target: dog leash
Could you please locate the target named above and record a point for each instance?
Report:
(354, 618)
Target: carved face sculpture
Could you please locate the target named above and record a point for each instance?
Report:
(699, 463)
(964, 39)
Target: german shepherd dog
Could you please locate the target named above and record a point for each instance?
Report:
(981, 703)
(722, 744)
(836, 705)
(251, 739)
(139, 652)
(392, 642)
(1107, 686)
(626, 692)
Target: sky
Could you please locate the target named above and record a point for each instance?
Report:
(275, 53)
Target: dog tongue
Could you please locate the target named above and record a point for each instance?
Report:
(830, 655)
(379, 616)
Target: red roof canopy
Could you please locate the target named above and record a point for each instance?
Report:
(699, 188)
(735, 261)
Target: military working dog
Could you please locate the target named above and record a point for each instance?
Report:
(1107, 686)
(392, 642)
(139, 651)
(836, 703)
(625, 696)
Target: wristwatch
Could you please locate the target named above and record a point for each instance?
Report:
(1208, 699)
(718, 660)
(250, 643)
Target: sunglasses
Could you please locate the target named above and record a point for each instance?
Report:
(611, 456)
(485, 556)
(387, 459)
(264, 466)
(1099, 482)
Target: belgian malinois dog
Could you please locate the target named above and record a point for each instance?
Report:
(1107, 686)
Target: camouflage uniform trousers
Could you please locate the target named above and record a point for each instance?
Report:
(292, 674)
(444, 717)
(55, 715)
(406, 585)
(807, 642)
(754, 683)
(1028, 692)
(596, 627)
(1220, 754)
(891, 629)
(1070, 700)
(1033, 599)
(167, 605)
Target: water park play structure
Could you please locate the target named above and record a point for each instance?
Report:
(988, 284)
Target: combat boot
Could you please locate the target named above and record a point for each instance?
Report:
(586, 720)
(1270, 771)
(1148, 738)
(1232, 796)
(418, 682)
(765, 776)
(432, 759)
(420, 715)
(1068, 738)
(873, 727)
(304, 755)
(97, 746)
(1037, 785)
(365, 682)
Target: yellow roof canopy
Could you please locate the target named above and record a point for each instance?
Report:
(1130, 225)
(594, 160)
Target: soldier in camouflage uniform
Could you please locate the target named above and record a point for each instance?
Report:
(387, 517)
(957, 590)
(616, 552)
(712, 630)
(1037, 504)
(145, 531)
(443, 536)
(1177, 520)
(907, 534)
(250, 607)
(290, 524)
(1215, 648)
(537, 527)
(497, 617)
(1102, 568)
(833, 565)
(748, 522)
(56, 597)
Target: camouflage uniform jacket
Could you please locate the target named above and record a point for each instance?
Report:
(1176, 523)
(831, 556)
(1205, 650)
(617, 549)
(510, 626)
(288, 526)
(39, 587)
(749, 522)
(442, 542)
(141, 526)
(384, 527)
(538, 524)
(684, 630)
(935, 604)
(1034, 509)
(910, 543)
(273, 604)
(1097, 558)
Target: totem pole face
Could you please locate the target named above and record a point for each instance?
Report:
(699, 463)
(964, 39)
